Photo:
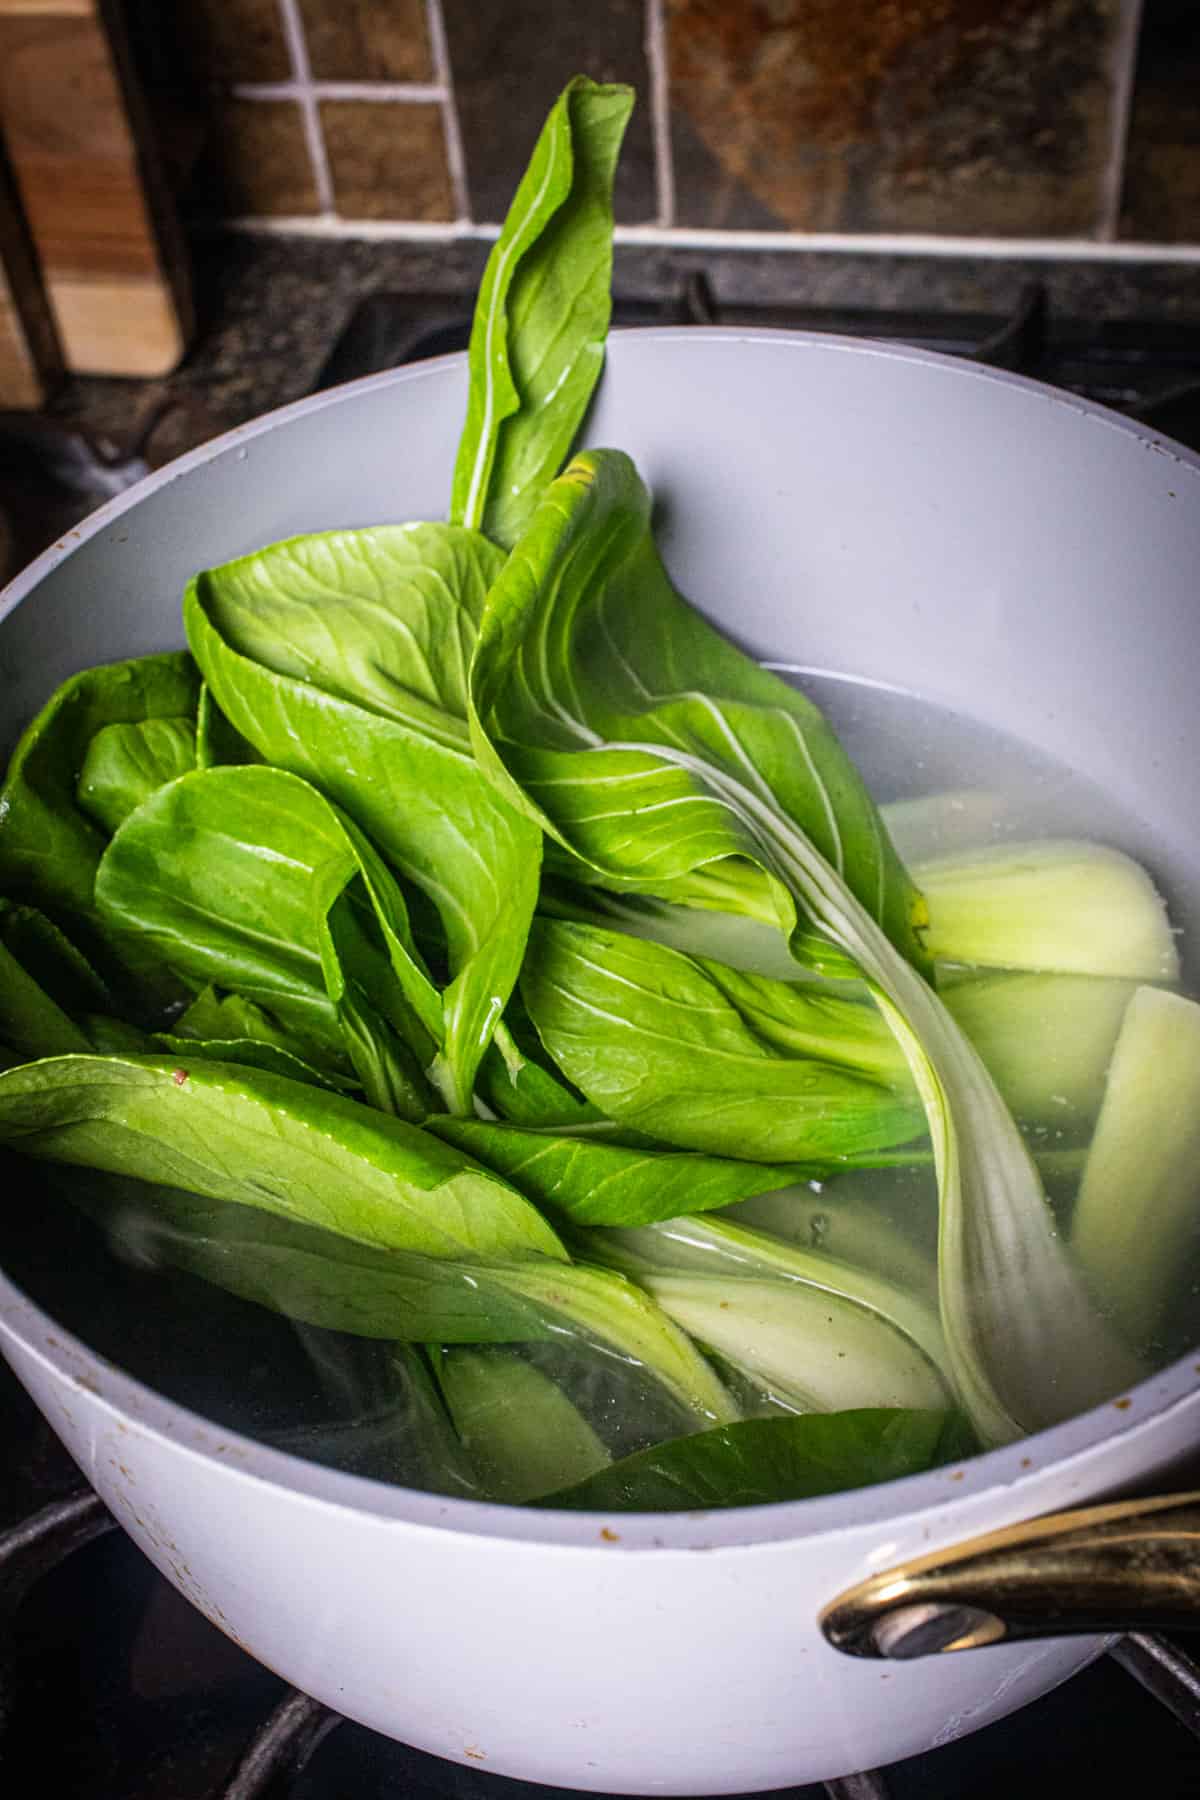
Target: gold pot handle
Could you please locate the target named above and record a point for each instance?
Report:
(1131, 1566)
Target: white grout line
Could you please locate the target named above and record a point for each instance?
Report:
(293, 31)
(1124, 64)
(396, 92)
(985, 248)
(660, 111)
(456, 157)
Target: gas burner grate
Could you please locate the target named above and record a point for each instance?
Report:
(214, 1726)
(1148, 369)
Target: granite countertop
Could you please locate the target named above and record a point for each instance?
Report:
(271, 308)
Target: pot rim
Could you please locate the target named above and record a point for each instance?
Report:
(131, 1405)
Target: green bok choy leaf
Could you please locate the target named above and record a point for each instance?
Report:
(248, 879)
(759, 1462)
(343, 658)
(478, 1253)
(537, 342)
(649, 747)
(658, 1043)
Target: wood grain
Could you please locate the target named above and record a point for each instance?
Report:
(96, 204)
(60, 9)
(30, 361)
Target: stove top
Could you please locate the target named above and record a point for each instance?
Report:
(111, 1686)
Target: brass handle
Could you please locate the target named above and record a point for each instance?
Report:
(1132, 1566)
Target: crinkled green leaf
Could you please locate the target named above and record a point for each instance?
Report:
(49, 847)
(236, 1133)
(342, 658)
(650, 1038)
(593, 1183)
(242, 877)
(125, 763)
(587, 648)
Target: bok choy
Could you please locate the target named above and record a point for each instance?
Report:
(463, 946)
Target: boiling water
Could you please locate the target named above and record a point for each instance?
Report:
(336, 1399)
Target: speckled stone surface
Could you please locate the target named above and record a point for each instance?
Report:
(962, 116)
(271, 309)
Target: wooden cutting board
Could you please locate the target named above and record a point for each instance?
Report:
(89, 180)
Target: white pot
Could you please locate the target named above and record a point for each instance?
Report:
(988, 543)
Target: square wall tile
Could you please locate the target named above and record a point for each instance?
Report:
(509, 62)
(388, 159)
(258, 161)
(1161, 202)
(231, 40)
(952, 116)
(367, 40)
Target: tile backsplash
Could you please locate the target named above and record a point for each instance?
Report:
(872, 122)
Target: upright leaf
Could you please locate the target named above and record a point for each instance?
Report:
(537, 342)
(587, 646)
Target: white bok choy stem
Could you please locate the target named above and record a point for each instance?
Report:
(1025, 1342)
(715, 1245)
(813, 1348)
(1138, 1209)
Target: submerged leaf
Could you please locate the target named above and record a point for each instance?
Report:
(340, 1284)
(520, 1430)
(759, 1462)
(1055, 904)
(1137, 1216)
(249, 1136)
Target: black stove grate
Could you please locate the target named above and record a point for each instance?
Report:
(1148, 369)
(150, 1702)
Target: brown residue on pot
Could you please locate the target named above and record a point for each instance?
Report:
(610, 1537)
(1123, 1405)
